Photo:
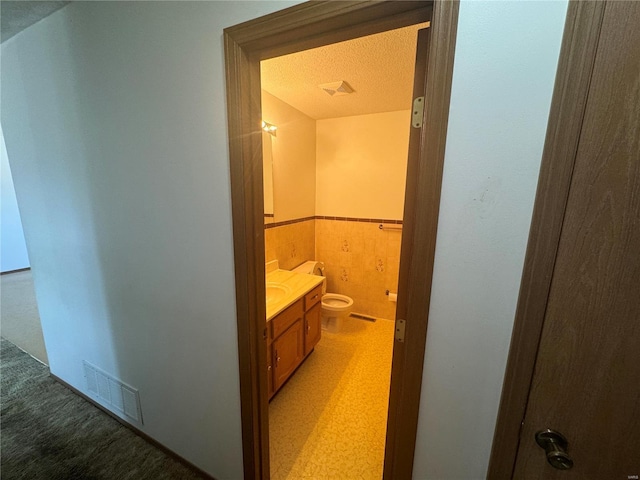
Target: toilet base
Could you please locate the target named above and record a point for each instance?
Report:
(332, 324)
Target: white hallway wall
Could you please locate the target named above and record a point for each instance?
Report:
(506, 61)
(13, 251)
(115, 123)
(114, 117)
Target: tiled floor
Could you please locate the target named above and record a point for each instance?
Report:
(329, 420)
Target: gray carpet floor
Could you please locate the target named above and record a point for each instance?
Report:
(50, 433)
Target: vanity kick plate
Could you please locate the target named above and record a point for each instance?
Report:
(400, 324)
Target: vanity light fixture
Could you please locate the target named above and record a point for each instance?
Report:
(269, 128)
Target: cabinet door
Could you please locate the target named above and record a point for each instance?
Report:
(288, 351)
(269, 371)
(313, 327)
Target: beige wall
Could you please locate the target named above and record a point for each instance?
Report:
(294, 159)
(361, 164)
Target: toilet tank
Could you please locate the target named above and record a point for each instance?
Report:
(311, 267)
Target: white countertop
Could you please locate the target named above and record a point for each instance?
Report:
(298, 284)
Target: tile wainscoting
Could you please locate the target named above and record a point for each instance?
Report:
(291, 243)
(361, 260)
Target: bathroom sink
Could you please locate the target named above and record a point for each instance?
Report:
(276, 292)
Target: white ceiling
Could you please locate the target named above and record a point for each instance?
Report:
(378, 67)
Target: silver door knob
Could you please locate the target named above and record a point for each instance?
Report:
(555, 445)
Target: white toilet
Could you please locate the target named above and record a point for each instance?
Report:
(335, 307)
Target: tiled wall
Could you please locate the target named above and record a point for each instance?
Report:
(361, 261)
(290, 244)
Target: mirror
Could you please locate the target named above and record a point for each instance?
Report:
(267, 176)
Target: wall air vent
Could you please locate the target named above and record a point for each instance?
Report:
(335, 89)
(111, 391)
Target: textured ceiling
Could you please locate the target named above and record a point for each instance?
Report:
(16, 16)
(378, 67)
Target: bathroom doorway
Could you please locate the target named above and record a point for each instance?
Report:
(296, 29)
(337, 122)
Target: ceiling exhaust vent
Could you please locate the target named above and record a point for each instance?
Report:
(335, 89)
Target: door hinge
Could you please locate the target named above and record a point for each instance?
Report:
(400, 324)
(418, 112)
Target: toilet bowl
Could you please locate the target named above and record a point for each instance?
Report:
(335, 307)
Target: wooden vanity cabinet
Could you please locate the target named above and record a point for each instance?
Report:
(291, 335)
(288, 352)
(287, 346)
(270, 389)
(312, 319)
(313, 328)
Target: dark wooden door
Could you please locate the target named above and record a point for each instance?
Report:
(586, 383)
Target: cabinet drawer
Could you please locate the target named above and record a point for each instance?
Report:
(313, 297)
(287, 318)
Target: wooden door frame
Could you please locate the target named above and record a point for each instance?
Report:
(573, 78)
(304, 26)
